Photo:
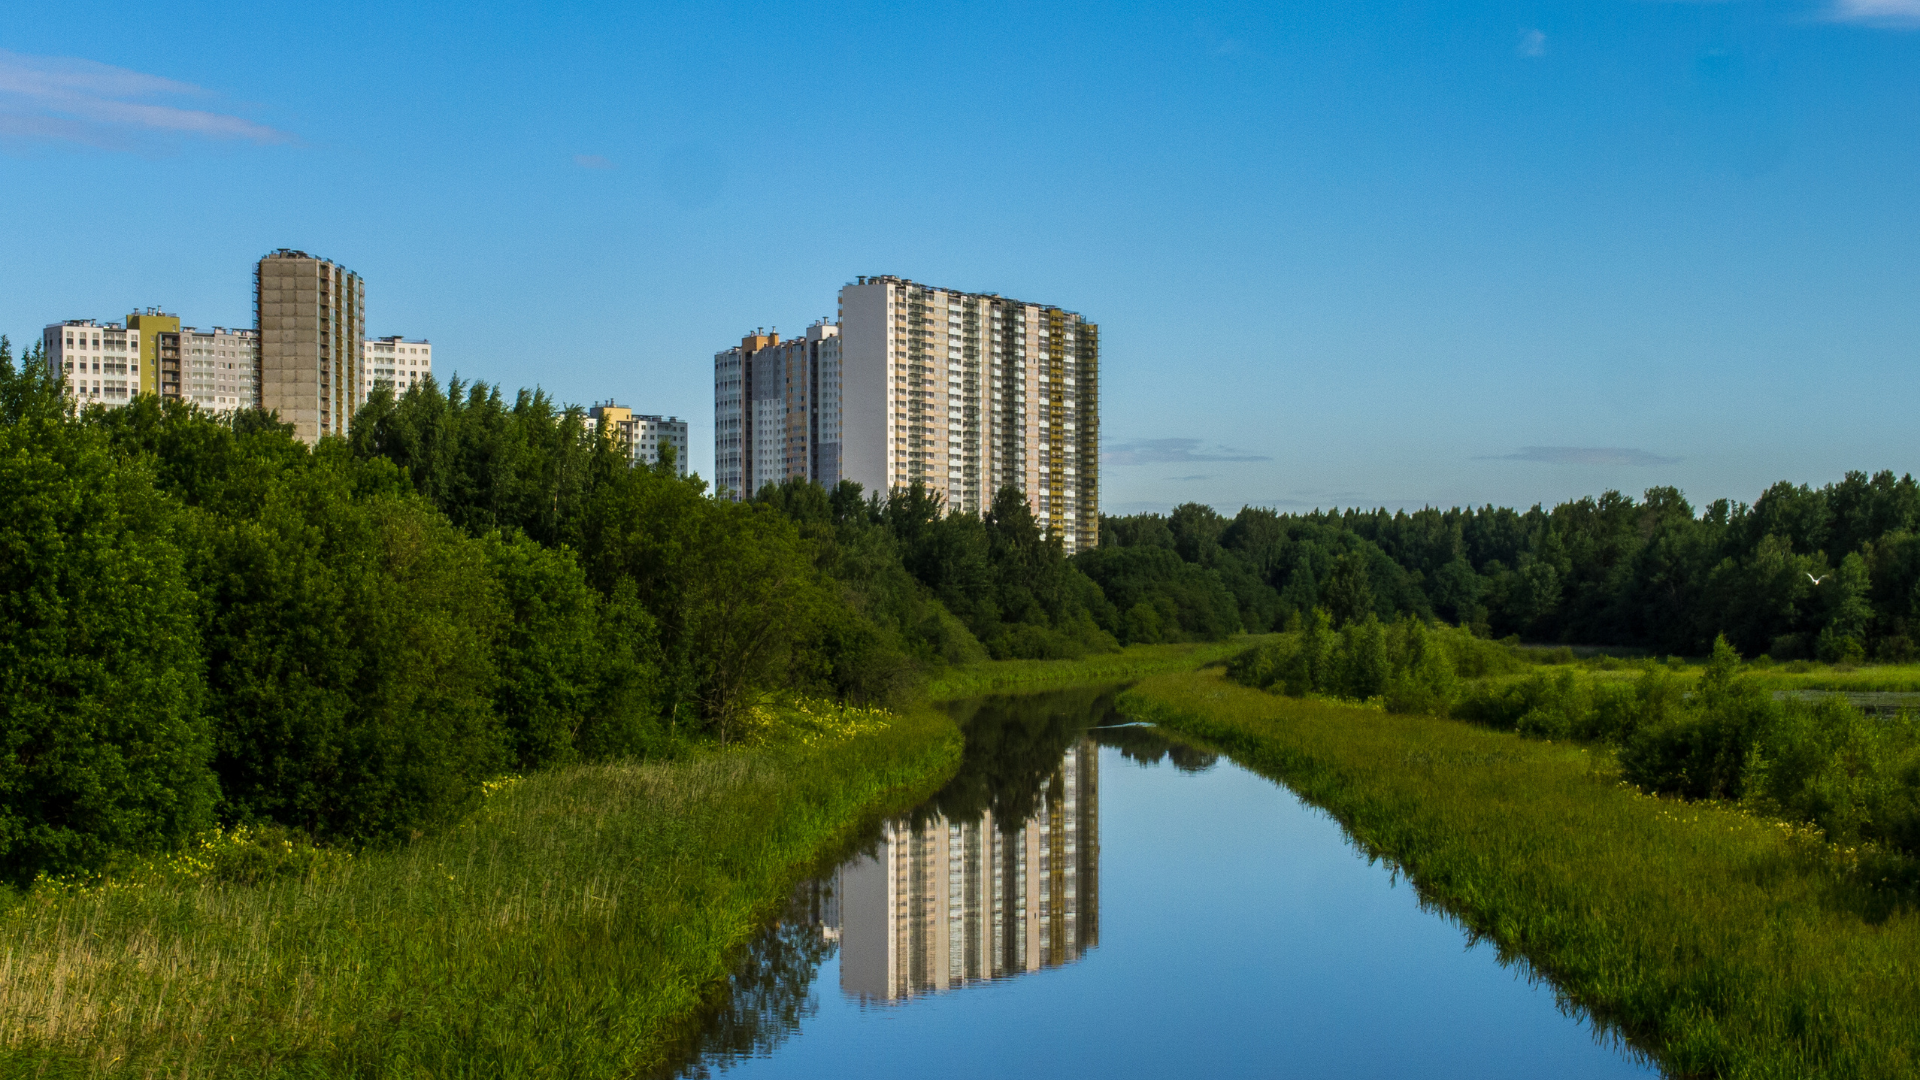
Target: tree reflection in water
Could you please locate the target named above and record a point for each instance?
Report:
(1145, 745)
(770, 989)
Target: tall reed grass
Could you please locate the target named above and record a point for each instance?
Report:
(571, 927)
(1721, 944)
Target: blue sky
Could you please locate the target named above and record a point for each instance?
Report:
(1341, 253)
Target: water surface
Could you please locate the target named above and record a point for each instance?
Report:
(1088, 899)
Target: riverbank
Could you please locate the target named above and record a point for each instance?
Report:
(572, 926)
(1723, 945)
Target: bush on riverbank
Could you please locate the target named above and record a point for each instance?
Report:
(1414, 667)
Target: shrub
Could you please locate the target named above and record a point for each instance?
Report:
(1698, 748)
(1408, 664)
(1856, 777)
(1423, 681)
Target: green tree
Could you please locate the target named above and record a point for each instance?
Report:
(350, 644)
(561, 665)
(104, 742)
(1348, 593)
(1364, 669)
(1844, 638)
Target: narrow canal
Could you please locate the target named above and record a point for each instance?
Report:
(1091, 899)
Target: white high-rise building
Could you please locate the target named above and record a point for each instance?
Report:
(964, 393)
(398, 362)
(969, 393)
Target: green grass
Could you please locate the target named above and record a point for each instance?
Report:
(576, 925)
(1721, 944)
(1133, 662)
(1792, 675)
(1875, 678)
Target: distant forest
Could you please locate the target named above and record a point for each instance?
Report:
(1832, 573)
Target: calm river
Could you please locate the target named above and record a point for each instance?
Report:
(1085, 899)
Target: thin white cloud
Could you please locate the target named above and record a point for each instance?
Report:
(1171, 451)
(1894, 14)
(1583, 455)
(592, 161)
(66, 99)
(1533, 43)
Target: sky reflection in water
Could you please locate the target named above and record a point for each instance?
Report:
(1099, 901)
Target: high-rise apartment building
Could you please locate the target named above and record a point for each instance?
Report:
(398, 362)
(311, 315)
(640, 434)
(776, 410)
(965, 393)
(968, 393)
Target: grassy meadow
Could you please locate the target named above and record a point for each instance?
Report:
(572, 926)
(1133, 662)
(1787, 675)
(1722, 944)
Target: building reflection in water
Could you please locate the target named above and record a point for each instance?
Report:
(941, 903)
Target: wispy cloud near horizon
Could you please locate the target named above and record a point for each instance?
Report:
(67, 99)
(1582, 455)
(1171, 452)
(1891, 14)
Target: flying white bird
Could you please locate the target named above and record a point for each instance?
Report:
(1817, 580)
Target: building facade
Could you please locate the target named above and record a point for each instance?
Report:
(99, 363)
(151, 353)
(964, 393)
(776, 410)
(730, 416)
(944, 903)
(400, 363)
(968, 393)
(641, 434)
(219, 368)
(311, 317)
(160, 352)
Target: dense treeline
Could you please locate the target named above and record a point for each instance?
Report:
(206, 622)
(1832, 572)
